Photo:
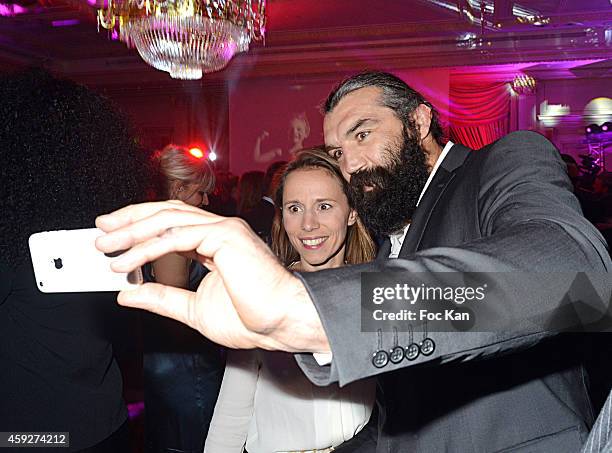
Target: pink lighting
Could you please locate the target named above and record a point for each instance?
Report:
(230, 51)
(11, 10)
(135, 409)
(594, 129)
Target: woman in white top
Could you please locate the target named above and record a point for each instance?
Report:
(266, 404)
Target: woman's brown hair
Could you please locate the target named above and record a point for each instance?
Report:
(360, 247)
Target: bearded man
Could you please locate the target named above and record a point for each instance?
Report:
(446, 209)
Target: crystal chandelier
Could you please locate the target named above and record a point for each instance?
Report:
(186, 38)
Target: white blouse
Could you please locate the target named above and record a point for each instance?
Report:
(267, 402)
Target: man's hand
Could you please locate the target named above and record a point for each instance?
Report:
(247, 300)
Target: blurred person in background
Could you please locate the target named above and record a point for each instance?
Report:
(222, 200)
(573, 170)
(64, 150)
(252, 207)
(271, 180)
(182, 369)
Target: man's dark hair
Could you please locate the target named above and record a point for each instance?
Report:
(67, 156)
(396, 95)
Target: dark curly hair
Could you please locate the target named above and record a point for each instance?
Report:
(67, 156)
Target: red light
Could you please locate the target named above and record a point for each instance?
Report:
(196, 152)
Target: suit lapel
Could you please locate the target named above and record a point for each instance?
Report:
(384, 250)
(444, 175)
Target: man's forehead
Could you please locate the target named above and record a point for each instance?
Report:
(360, 98)
(357, 105)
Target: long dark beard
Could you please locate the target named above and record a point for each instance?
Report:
(397, 185)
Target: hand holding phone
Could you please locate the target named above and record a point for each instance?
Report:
(68, 261)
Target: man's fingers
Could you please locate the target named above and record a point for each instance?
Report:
(157, 224)
(176, 239)
(164, 300)
(133, 213)
(147, 242)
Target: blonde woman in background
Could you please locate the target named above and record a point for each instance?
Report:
(266, 404)
(182, 369)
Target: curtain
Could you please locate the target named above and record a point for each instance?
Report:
(479, 113)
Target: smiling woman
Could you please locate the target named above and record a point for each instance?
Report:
(316, 216)
(266, 403)
(315, 228)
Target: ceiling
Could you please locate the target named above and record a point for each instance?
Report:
(309, 37)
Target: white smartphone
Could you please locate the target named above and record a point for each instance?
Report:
(68, 261)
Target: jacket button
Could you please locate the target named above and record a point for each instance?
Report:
(396, 354)
(412, 351)
(380, 359)
(427, 346)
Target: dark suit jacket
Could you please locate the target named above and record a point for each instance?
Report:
(507, 207)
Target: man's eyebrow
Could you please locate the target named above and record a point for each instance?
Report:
(360, 122)
(316, 200)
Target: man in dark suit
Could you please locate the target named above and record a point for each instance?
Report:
(502, 208)
(505, 208)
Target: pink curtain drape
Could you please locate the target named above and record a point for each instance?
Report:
(479, 113)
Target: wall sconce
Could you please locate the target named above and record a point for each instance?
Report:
(523, 84)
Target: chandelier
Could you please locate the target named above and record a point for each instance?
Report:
(186, 38)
